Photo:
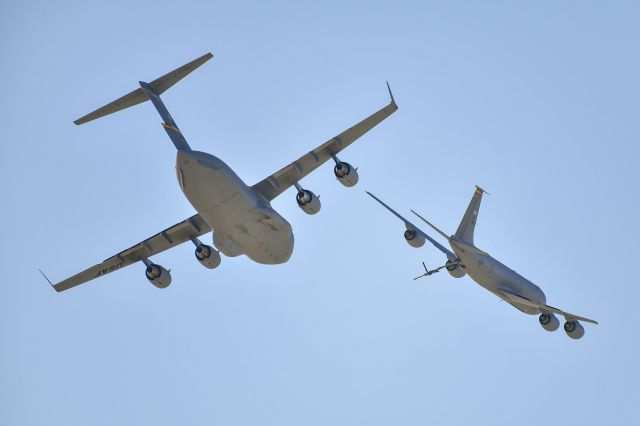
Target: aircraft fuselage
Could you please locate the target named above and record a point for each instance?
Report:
(495, 276)
(242, 221)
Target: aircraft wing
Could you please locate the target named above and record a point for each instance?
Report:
(179, 233)
(450, 255)
(284, 178)
(511, 296)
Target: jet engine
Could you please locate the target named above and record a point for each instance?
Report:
(346, 174)
(207, 256)
(414, 238)
(549, 322)
(574, 329)
(455, 269)
(157, 275)
(308, 201)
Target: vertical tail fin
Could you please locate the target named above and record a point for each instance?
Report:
(468, 223)
(169, 124)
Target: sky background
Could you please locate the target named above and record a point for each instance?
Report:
(535, 101)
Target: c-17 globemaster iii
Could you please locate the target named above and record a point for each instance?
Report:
(467, 259)
(239, 216)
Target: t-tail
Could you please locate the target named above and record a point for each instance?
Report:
(468, 223)
(152, 91)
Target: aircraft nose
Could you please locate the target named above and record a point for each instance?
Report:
(291, 244)
(288, 249)
(542, 296)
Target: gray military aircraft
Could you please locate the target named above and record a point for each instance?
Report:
(505, 283)
(239, 216)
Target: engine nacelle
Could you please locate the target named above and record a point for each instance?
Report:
(549, 322)
(414, 238)
(346, 174)
(574, 329)
(455, 269)
(158, 276)
(308, 201)
(207, 256)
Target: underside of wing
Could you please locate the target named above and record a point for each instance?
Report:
(283, 179)
(520, 300)
(450, 255)
(179, 233)
(568, 316)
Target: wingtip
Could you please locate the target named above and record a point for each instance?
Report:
(81, 120)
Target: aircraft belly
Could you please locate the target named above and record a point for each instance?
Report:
(263, 245)
(237, 221)
(478, 269)
(493, 275)
(241, 223)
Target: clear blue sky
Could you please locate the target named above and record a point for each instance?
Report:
(537, 101)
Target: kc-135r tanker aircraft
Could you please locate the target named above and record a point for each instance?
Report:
(505, 283)
(239, 216)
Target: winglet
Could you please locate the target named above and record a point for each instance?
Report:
(393, 101)
(482, 191)
(48, 280)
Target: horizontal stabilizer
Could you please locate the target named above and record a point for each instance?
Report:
(435, 228)
(138, 96)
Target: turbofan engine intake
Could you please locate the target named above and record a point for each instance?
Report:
(574, 329)
(549, 322)
(207, 256)
(346, 174)
(308, 201)
(158, 276)
(414, 238)
(455, 269)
